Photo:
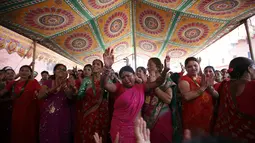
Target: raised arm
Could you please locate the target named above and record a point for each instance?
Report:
(105, 78)
(183, 69)
(189, 94)
(199, 59)
(164, 95)
(107, 84)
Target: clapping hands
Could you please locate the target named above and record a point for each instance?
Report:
(207, 81)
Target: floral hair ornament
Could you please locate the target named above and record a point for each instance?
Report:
(230, 70)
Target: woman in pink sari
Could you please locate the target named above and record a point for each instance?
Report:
(129, 99)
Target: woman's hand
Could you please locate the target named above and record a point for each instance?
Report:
(210, 80)
(97, 138)
(141, 132)
(204, 81)
(182, 67)
(138, 80)
(167, 62)
(166, 67)
(199, 59)
(43, 92)
(186, 135)
(75, 69)
(108, 58)
(69, 91)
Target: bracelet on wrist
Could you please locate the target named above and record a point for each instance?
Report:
(201, 91)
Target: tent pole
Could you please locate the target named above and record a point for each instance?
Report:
(134, 42)
(33, 60)
(249, 39)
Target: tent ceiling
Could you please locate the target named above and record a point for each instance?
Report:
(81, 29)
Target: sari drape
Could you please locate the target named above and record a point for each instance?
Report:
(92, 112)
(176, 108)
(197, 113)
(25, 115)
(56, 117)
(158, 117)
(6, 116)
(236, 119)
(127, 107)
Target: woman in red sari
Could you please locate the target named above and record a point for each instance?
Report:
(236, 114)
(196, 98)
(92, 115)
(156, 110)
(25, 115)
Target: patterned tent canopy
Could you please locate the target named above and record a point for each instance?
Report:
(81, 30)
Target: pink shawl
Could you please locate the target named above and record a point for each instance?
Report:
(126, 108)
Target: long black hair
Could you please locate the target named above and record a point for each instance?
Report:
(190, 59)
(239, 66)
(209, 67)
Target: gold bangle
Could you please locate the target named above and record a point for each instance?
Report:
(200, 92)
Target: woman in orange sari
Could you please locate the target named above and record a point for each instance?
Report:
(25, 115)
(196, 99)
(236, 114)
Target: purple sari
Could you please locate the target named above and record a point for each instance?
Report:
(56, 118)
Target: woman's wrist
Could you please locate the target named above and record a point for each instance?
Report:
(211, 88)
(201, 90)
(157, 89)
(107, 67)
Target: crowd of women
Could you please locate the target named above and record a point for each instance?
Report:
(70, 106)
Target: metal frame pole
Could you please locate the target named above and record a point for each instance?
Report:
(33, 60)
(249, 39)
(134, 42)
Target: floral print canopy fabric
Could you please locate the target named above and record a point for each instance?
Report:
(81, 30)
